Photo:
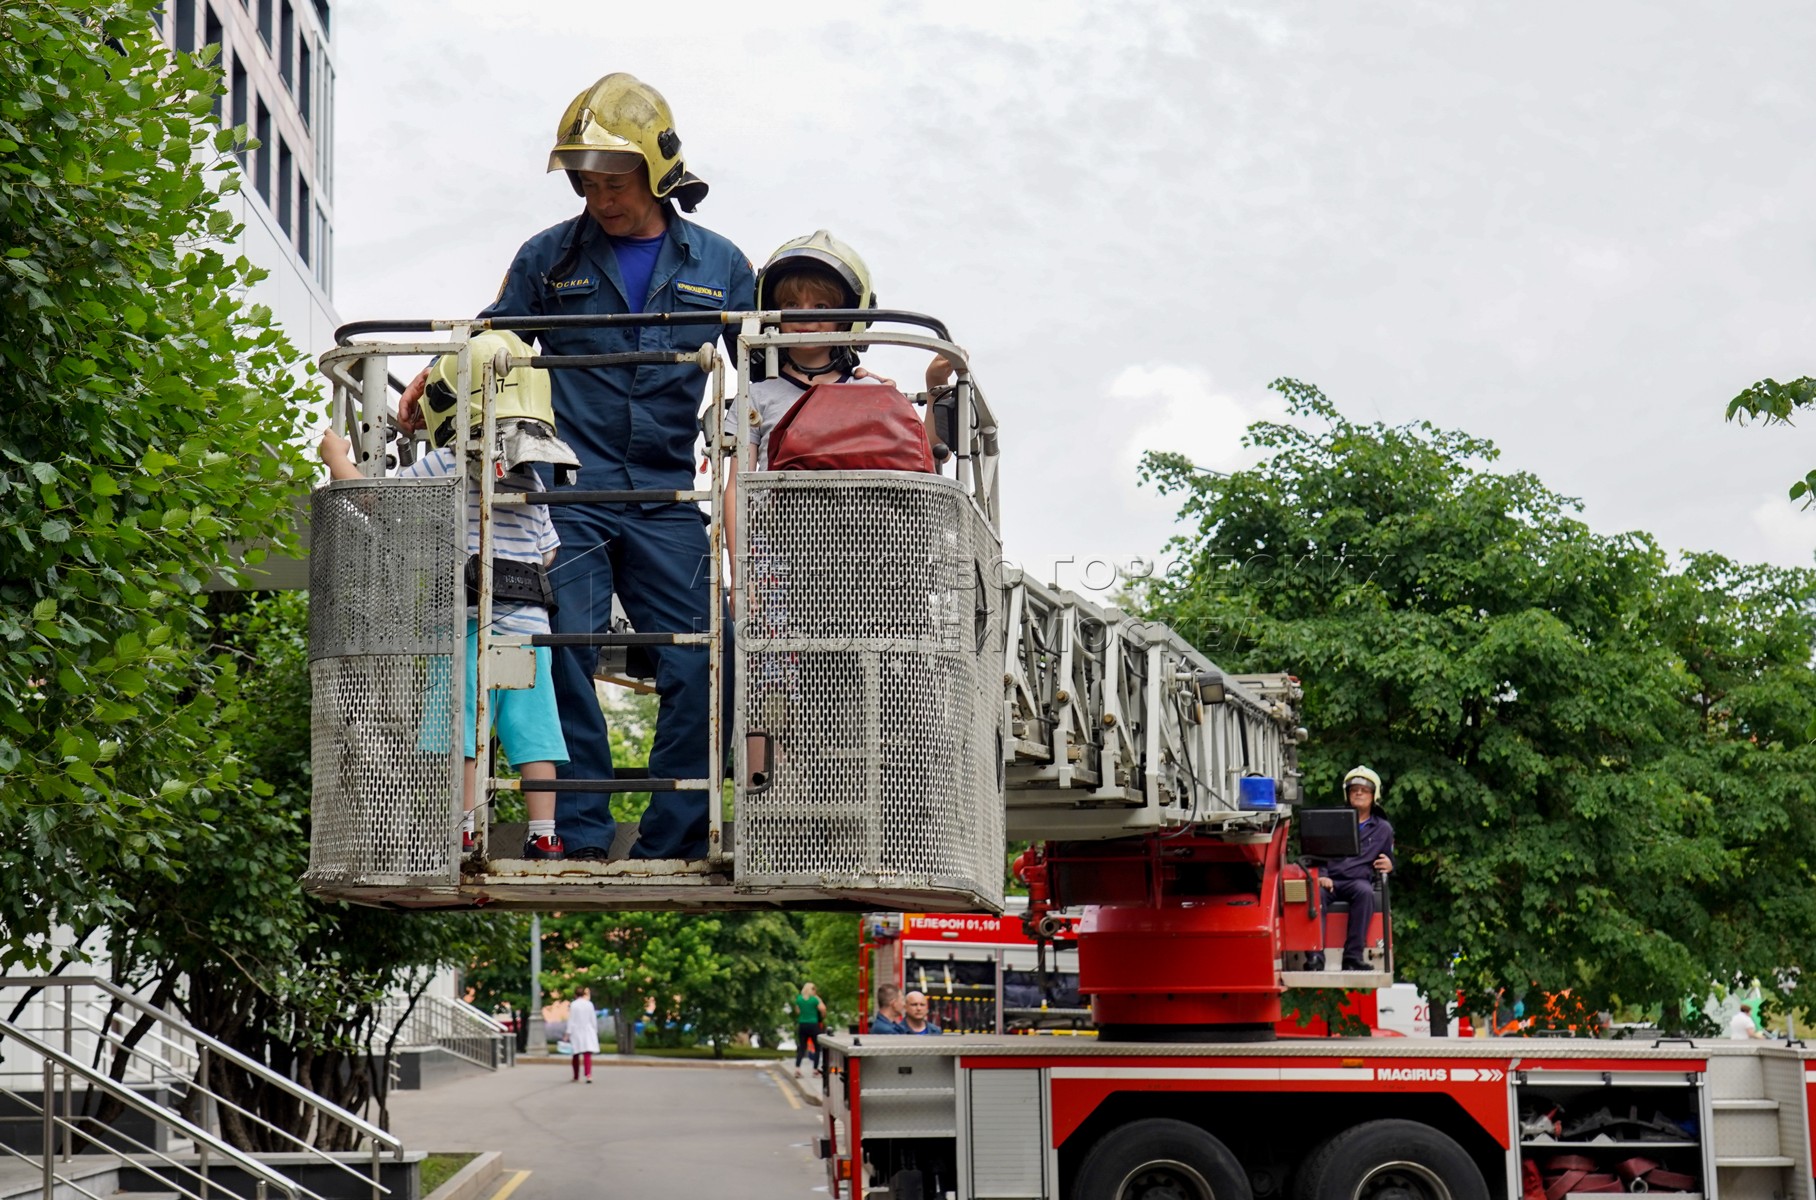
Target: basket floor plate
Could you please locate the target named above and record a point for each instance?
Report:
(643, 886)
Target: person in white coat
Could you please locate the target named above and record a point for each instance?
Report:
(583, 1032)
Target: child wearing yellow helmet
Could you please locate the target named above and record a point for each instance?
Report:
(815, 271)
(523, 545)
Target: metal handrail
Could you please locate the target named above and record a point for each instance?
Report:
(441, 1021)
(150, 1066)
(476, 1015)
(204, 1046)
(250, 1065)
(262, 1174)
(52, 1122)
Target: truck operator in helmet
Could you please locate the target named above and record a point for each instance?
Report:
(629, 251)
(1353, 879)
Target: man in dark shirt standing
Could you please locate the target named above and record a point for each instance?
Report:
(1352, 880)
(917, 1020)
(889, 1010)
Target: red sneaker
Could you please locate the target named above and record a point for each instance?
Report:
(543, 849)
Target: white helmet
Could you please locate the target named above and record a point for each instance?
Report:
(1363, 775)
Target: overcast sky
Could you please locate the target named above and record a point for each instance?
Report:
(1575, 229)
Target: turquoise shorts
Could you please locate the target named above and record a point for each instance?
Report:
(525, 719)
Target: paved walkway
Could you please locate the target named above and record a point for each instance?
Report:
(643, 1128)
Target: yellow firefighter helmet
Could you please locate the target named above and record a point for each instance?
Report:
(617, 125)
(524, 412)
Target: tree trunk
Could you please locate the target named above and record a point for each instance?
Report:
(622, 1033)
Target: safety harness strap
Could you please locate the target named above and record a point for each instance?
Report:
(520, 582)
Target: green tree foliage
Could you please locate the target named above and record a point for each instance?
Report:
(641, 966)
(708, 978)
(761, 953)
(153, 740)
(1596, 764)
(232, 940)
(690, 978)
(145, 413)
(1776, 403)
(830, 946)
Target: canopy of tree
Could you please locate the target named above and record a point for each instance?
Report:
(154, 741)
(1597, 761)
(1776, 403)
(690, 979)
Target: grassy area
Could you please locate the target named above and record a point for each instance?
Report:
(731, 1052)
(437, 1169)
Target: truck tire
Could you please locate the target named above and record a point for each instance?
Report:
(1160, 1159)
(1390, 1160)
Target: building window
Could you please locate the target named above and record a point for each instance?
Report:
(321, 14)
(237, 90)
(305, 220)
(286, 45)
(261, 158)
(211, 36)
(305, 77)
(324, 251)
(324, 139)
(265, 21)
(286, 169)
(183, 29)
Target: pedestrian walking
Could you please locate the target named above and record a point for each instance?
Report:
(583, 1032)
(810, 1018)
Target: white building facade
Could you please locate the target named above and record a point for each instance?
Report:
(277, 65)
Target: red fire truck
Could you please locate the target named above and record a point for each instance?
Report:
(981, 973)
(1185, 947)
(906, 704)
(1408, 1119)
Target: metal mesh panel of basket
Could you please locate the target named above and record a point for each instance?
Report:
(864, 663)
(990, 681)
(386, 634)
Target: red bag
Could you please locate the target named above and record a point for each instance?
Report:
(850, 427)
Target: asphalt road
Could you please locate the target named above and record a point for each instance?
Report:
(637, 1131)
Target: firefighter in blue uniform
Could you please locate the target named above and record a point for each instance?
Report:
(628, 252)
(1353, 879)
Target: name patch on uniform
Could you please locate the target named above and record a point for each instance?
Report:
(563, 284)
(700, 289)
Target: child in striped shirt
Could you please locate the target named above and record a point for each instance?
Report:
(523, 547)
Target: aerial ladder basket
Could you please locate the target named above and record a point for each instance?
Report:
(865, 678)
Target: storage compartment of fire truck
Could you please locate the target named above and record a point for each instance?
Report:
(964, 996)
(1593, 1132)
(911, 1123)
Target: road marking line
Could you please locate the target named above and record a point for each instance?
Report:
(515, 1182)
(794, 1101)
